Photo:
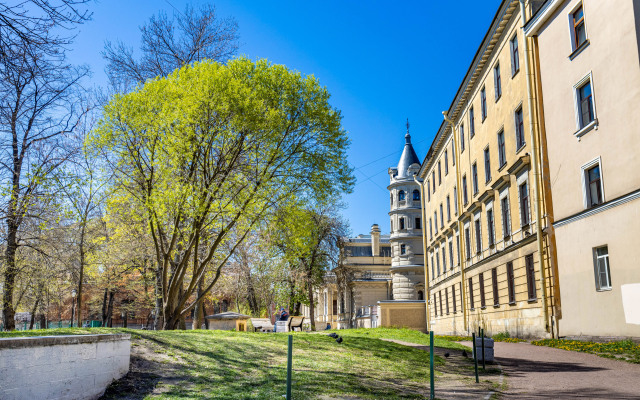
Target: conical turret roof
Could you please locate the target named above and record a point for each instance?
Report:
(407, 158)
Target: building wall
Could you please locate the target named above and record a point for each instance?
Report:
(612, 59)
(524, 317)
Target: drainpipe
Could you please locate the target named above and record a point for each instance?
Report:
(427, 292)
(536, 173)
(460, 226)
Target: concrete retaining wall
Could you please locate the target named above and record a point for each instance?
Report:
(62, 367)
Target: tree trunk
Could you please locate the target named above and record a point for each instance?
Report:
(110, 309)
(82, 261)
(296, 308)
(33, 314)
(251, 293)
(10, 272)
(43, 321)
(198, 314)
(311, 305)
(104, 307)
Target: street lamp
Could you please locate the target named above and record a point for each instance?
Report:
(74, 293)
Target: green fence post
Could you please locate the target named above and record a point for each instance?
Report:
(475, 356)
(289, 362)
(431, 372)
(484, 367)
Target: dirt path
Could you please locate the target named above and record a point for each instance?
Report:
(456, 380)
(537, 372)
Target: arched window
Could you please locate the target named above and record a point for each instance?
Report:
(401, 195)
(420, 295)
(416, 194)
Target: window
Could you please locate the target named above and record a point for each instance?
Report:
(531, 277)
(453, 298)
(437, 263)
(448, 209)
(433, 273)
(515, 61)
(391, 195)
(403, 249)
(420, 295)
(467, 242)
(435, 305)
(440, 298)
(478, 237)
(335, 307)
(511, 285)
(435, 221)
(483, 302)
(465, 198)
(506, 219)
(472, 306)
(524, 204)
(502, 155)
(461, 138)
(472, 125)
(416, 195)
(441, 217)
(455, 200)
(519, 129)
(483, 103)
(401, 195)
(430, 228)
(446, 297)
(494, 282)
(497, 82)
(391, 225)
(418, 224)
(593, 186)
(444, 258)
(601, 261)
(474, 171)
(487, 165)
(402, 223)
(490, 234)
(433, 179)
(439, 173)
(453, 153)
(446, 162)
(585, 104)
(458, 248)
(579, 31)
(451, 253)
(428, 191)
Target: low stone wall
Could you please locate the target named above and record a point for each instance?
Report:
(62, 367)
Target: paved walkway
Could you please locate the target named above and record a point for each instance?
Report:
(537, 372)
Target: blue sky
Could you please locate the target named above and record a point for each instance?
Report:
(383, 62)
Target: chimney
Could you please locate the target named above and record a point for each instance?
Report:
(375, 240)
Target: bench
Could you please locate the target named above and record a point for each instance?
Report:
(295, 322)
(261, 325)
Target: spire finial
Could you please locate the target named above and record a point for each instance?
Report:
(407, 126)
(407, 136)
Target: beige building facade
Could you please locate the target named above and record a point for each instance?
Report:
(589, 66)
(489, 258)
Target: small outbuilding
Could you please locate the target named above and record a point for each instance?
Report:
(228, 321)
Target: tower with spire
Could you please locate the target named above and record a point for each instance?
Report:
(407, 263)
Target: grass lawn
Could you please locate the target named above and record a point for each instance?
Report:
(625, 350)
(239, 365)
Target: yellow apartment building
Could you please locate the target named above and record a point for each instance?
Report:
(490, 259)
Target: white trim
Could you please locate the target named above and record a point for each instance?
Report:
(542, 17)
(583, 172)
(572, 42)
(576, 105)
(607, 206)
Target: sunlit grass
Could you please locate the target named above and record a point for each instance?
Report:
(625, 350)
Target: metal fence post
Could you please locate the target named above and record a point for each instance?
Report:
(289, 362)
(475, 356)
(484, 367)
(431, 371)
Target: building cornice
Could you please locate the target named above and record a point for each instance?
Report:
(536, 23)
(596, 210)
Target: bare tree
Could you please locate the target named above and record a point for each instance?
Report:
(40, 104)
(170, 43)
(30, 22)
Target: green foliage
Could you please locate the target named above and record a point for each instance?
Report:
(506, 337)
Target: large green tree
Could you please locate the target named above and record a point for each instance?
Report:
(209, 152)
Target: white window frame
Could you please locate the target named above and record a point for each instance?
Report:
(572, 42)
(576, 106)
(585, 184)
(450, 251)
(505, 195)
(489, 207)
(475, 234)
(523, 178)
(596, 269)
